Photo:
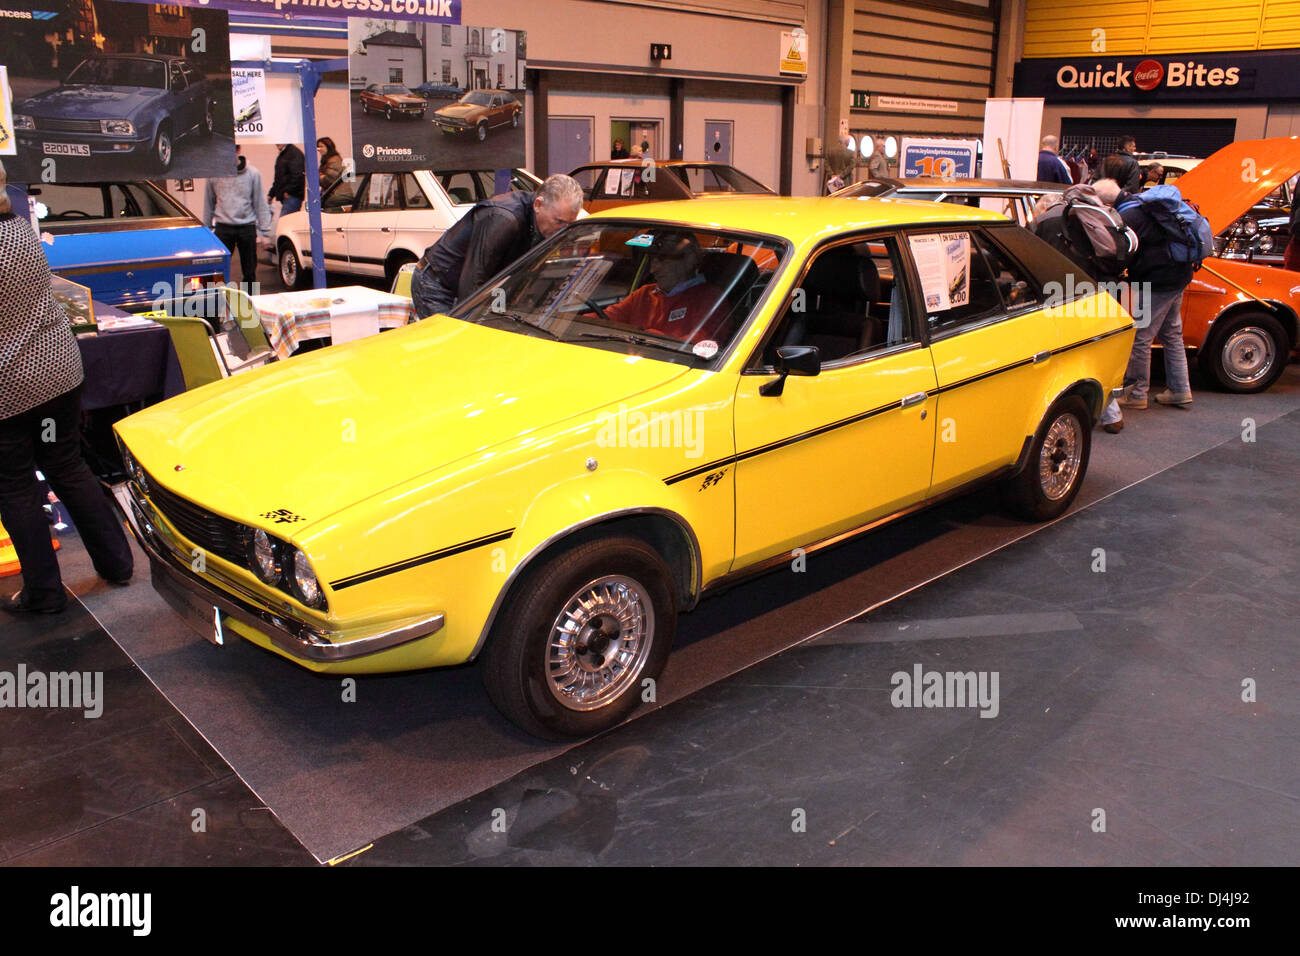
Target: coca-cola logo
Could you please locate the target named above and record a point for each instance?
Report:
(1148, 74)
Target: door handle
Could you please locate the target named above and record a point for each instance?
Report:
(1041, 357)
(916, 398)
(338, 228)
(384, 229)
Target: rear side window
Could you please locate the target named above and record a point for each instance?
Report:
(587, 179)
(966, 280)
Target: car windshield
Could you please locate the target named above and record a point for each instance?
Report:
(476, 98)
(96, 71)
(718, 179)
(662, 291)
(395, 90)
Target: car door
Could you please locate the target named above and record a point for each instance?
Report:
(991, 345)
(853, 443)
(335, 217)
(182, 110)
(423, 218)
(371, 224)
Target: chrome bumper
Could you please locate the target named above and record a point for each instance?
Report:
(195, 599)
(1117, 393)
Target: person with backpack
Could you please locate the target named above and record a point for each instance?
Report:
(1172, 240)
(1080, 225)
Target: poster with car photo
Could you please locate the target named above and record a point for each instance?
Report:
(435, 95)
(104, 89)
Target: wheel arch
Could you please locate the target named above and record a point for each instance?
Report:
(664, 530)
(1285, 315)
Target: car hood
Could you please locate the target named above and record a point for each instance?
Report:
(89, 102)
(328, 429)
(403, 100)
(1226, 185)
(461, 112)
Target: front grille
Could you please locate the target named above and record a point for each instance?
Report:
(217, 535)
(68, 125)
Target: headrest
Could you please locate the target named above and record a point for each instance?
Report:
(843, 274)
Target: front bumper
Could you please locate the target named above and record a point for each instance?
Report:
(197, 600)
(98, 144)
(447, 127)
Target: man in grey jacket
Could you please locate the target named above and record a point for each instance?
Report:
(236, 210)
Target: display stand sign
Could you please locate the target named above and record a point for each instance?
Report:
(268, 106)
(436, 97)
(115, 90)
(427, 11)
(943, 266)
(8, 142)
(945, 158)
(248, 90)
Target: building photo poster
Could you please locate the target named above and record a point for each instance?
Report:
(431, 95)
(105, 89)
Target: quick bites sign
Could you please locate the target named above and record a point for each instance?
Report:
(1197, 77)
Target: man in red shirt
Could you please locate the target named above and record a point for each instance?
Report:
(680, 304)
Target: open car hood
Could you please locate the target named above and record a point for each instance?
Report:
(1239, 176)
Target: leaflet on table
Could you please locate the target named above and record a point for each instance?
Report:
(943, 264)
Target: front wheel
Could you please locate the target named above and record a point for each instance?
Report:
(1246, 353)
(514, 120)
(209, 124)
(581, 634)
(1058, 460)
(162, 148)
(388, 113)
(482, 132)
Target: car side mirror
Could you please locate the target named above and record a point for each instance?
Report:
(792, 360)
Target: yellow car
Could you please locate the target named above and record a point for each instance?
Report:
(640, 411)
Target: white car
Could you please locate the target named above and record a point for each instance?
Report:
(378, 222)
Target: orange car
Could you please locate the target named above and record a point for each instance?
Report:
(392, 99)
(1241, 317)
(478, 111)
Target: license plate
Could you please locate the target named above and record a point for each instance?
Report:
(203, 618)
(67, 149)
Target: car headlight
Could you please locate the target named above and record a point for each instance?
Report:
(23, 122)
(1265, 243)
(133, 469)
(117, 127)
(1250, 227)
(263, 555)
(305, 584)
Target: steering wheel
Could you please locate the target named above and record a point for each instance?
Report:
(73, 213)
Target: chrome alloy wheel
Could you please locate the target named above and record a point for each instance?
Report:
(599, 643)
(1248, 355)
(1058, 462)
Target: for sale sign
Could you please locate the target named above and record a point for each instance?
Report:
(8, 145)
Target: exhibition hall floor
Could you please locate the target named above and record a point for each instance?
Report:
(1118, 691)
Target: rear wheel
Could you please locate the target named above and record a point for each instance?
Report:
(208, 124)
(1246, 352)
(290, 266)
(579, 636)
(1058, 460)
(395, 263)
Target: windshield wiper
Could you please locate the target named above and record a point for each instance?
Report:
(520, 320)
(630, 337)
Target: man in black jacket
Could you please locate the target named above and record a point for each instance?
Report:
(290, 179)
(494, 233)
(1123, 167)
(1157, 282)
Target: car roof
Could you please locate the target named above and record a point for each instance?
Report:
(799, 218)
(161, 57)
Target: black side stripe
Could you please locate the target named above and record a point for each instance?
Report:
(854, 419)
(365, 576)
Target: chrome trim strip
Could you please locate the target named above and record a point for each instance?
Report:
(299, 639)
(697, 562)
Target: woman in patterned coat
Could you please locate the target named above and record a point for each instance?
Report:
(40, 426)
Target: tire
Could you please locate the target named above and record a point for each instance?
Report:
(395, 263)
(482, 131)
(208, 124)
(624, 577)
(290, 266)
(514, 120)
(1058, 460)
(163, 148)
(365, 110)
(388, 113)
(1246, 352)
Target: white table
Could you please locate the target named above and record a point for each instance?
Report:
(346, 313)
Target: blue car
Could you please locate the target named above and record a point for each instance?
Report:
(444, 90)
(116, 105)
(133, 245)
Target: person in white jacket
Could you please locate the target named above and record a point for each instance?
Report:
(235, 208)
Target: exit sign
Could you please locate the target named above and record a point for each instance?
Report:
(861, 100)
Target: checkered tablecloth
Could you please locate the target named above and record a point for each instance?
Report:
(291, 318)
